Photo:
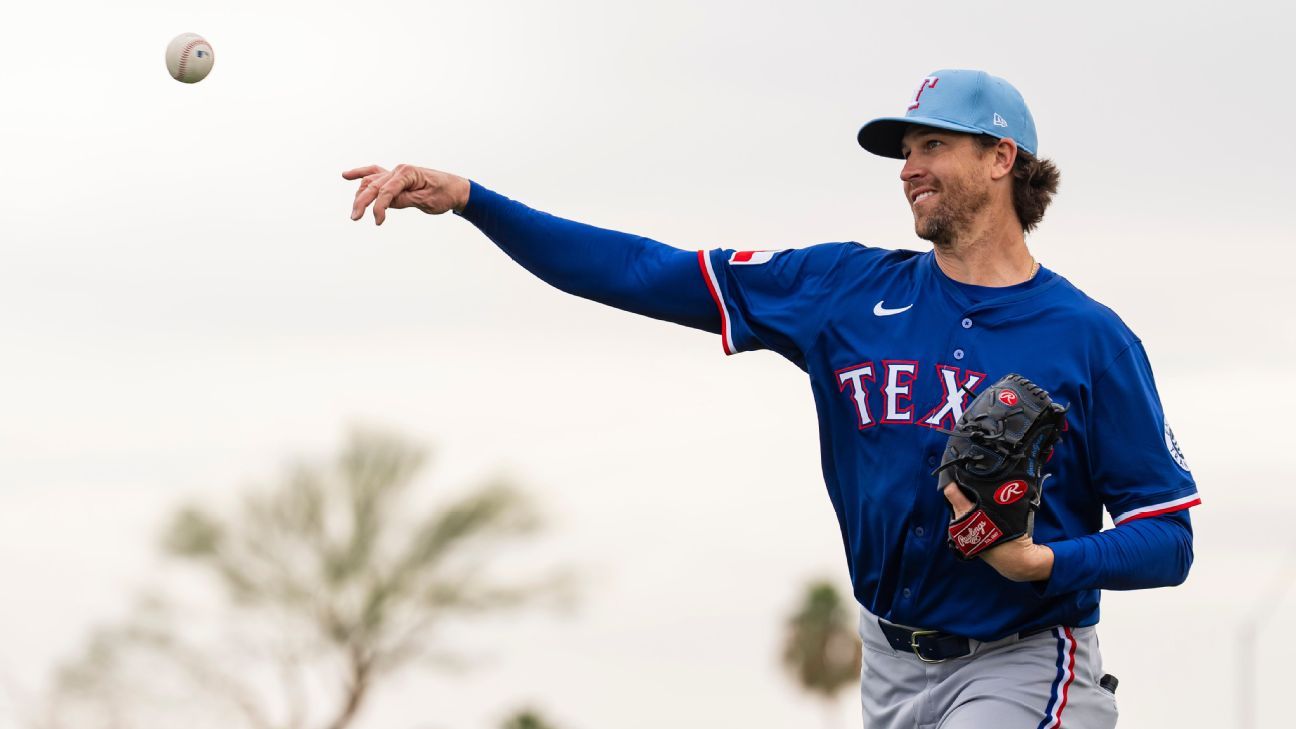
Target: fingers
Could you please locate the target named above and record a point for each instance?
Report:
(369, 176)
(404, 186)
(366, 194)
(383, 195)
(360, 172)
(396, 182)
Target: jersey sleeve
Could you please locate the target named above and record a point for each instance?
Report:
(776, 300)
(1136, 462)
(629, 272)
(1138, 554)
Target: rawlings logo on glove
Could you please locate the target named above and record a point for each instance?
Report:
(994, 455)
(1010, 492)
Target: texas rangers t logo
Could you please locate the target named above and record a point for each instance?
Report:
(927, 83)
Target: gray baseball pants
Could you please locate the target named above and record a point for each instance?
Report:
(1047, 680)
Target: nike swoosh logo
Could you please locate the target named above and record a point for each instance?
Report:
(880, 310)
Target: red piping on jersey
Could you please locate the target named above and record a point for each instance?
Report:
(724, 315)
(1159, 512)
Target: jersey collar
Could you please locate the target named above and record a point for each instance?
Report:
(968, 297)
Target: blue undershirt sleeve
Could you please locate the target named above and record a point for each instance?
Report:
(626, 271)
(1154, 551)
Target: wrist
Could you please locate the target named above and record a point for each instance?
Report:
(1041, 564)
(1021, 560)
(462, 190)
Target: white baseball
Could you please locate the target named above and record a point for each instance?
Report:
(189, 58)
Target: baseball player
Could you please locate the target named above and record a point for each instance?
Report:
(921, 363)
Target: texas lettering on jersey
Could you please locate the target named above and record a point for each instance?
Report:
(893, 381)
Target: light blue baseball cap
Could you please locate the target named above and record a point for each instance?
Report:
(960, 100)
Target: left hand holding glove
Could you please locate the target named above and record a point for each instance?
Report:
(991, 473)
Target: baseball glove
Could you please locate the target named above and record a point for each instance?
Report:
(995, 454)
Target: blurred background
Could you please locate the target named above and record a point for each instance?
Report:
(587, 519)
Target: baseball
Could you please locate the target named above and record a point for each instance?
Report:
(189, 58)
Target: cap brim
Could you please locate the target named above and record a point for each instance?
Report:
(882, 136)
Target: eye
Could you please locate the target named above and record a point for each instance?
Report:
(931, 144)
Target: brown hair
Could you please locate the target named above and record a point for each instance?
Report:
(1035, 180)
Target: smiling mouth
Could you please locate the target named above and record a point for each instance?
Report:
(923, 196)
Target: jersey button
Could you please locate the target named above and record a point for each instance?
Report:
(958, 354)
(931, 461)
(967, 323)
(906, 592)
(919, 531)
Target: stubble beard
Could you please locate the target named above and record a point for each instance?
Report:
(953, 215)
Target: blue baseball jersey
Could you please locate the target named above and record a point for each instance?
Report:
(893, 347)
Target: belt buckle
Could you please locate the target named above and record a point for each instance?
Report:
(913, 645)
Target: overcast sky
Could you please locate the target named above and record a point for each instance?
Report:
(185, 304)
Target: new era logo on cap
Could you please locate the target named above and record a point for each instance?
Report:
(960, 100)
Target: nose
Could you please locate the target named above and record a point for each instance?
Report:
(911, 170)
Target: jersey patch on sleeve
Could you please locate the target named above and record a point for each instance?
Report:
(751, 258)
(1175, 451)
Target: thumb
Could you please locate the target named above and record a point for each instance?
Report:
(962, 505)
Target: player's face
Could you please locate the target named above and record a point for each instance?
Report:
(946, 182)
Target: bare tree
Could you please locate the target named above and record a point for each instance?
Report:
(822, 649)
(319, 586)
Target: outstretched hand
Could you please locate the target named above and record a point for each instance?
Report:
(406, 186)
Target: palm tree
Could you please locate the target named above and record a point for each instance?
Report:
(822, 649)
(526, 719)
(326, 581)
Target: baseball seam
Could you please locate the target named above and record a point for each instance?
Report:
(184, 56)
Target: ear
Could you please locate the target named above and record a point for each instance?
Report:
(1005, 156)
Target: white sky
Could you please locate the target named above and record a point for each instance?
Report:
(185, 304)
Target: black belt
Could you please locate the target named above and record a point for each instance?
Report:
(933, 646)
